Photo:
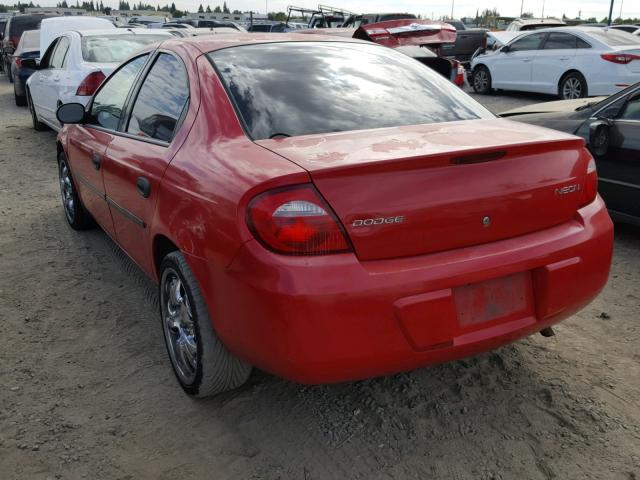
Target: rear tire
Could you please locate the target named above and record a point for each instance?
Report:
(21, 100)
(481, 80)
(201, 363)
(572, 85)
(37, 124)
(77, 216)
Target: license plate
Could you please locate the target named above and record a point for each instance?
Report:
(503, 298)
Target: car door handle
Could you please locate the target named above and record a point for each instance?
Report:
(96, 159)
(143, 186)
(526, 60)
(564, 58)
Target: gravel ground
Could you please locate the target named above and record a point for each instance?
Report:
(87, 392)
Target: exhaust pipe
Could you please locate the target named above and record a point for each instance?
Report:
(547, 332)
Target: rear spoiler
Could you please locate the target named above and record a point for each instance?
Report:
(409, 31)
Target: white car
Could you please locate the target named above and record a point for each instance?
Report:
(571, 62)
(74, 66)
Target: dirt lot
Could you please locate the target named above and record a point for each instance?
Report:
(86, 390)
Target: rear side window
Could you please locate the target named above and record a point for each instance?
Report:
(108, 103)
(559, 41)
(60, 53)
(529, 42)
(632, 109)
(301, 88)
(161, 100)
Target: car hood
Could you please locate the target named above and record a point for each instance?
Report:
(566, 106)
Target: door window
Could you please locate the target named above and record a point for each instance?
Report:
(108, 103)
(530, 42)
(60, 53)
(631, 109)
(162, 98)
(560, 41)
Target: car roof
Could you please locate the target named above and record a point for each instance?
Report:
(123, 31)
(530, 21)
(210, 43)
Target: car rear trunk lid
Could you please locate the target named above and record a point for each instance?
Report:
(414, 190)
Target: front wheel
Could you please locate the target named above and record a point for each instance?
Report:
(573, 85)
(201, 363)
(37, 124)
(21, 100)
(74, 211)
(481, 80)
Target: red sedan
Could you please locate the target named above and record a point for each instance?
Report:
(329, 209)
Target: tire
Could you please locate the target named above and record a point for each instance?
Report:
(572, 85)
(37, 124)
(74, 211)
(202, 365)
(481, 80)
(9, 73)
(21, 100)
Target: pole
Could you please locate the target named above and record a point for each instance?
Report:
(621, 3)
(543, 8)
(521, 7)
(610, 12)
(452, 2)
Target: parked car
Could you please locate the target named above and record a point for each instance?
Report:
(75, 65)
(468, 40)
(52, 28)
(626, 28)
(419, 39)
(28, 48)
(332, 246)
(571, 62)
(270, 27)
(14, 29)
(525, 24)
(3, 24)
(194, 32)
(611, 128)
(354, 21)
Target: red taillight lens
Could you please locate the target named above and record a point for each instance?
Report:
(621, 58)
(18, 61)
(90, 84)
(296, 221)
(591, 183)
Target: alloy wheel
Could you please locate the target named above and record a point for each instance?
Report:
(480, 81)
(572, 88)
(178, 326)
(66, 190)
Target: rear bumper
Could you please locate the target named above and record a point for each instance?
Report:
(333, 318)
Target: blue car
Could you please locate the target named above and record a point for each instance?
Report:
(28, 49)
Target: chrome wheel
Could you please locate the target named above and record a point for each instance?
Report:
(572, 88)
(178, 326)
(66, 190)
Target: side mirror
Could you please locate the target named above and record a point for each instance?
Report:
(599, 136)
(30, 63)
(71, 113)
(505, 49)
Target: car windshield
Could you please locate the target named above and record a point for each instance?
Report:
(302, 88)
(114, 48)
(615, 38)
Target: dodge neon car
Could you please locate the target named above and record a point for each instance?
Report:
(328, 209)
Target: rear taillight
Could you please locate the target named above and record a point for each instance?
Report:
(90, 84)
(18, 61)
(591, 183)
(621, 58)
(459, 80)
(296, 221)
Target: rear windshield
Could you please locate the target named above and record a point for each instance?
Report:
(615, 38)
(302, 88)
(114, 48)
(29, 41)
(22, 23)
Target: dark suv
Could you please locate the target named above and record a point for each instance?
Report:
(12, 33)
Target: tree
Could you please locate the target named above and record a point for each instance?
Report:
(527, 15)
(237, 12)
(217, 9)
(225, 9)
(208, 10)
